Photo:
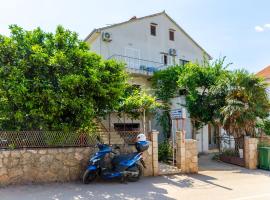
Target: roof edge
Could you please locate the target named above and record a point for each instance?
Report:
(140, 18)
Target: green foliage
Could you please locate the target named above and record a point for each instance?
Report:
(52, 82)
(233, 99)
(264, 125)
(230, 152)
(58, 140)
(11, 146)
(246, 101)
(165, 83)
(164, 151)
(197, 80)
(263, 144)
(215, 157)
(135, 102)
(164, 120)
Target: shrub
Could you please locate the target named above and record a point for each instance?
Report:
(230, 152)
(164, 151)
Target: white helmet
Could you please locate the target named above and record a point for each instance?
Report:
(141, 137)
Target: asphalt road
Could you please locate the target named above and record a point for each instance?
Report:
(214, 181)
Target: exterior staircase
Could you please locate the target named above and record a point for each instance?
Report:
(107, 136)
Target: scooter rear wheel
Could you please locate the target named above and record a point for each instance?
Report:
(136, 168)
(89, 176)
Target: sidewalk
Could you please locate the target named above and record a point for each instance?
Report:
(215, 181)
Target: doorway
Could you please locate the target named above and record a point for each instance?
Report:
(213, 134)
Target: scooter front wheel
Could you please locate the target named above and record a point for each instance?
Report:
(137, 168)
(89, 176)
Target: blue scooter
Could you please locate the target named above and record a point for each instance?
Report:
(126, 167)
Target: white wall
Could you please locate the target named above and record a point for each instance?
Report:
(202, 138)
(137, 35)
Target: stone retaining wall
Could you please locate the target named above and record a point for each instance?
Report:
(42, 165)
(60, 164)
(186, 153)
(191, 156)
(251, 152)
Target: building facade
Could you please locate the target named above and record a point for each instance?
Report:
(148, 44)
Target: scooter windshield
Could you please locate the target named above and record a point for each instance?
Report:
(104, 148)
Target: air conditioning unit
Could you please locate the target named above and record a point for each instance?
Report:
(172, 52)
(106, 36)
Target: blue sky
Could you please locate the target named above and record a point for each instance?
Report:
(237, 29)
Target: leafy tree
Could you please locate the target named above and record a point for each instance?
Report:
(233, 99)
(198, 79)
(193, 80)
(263, 126)
(246, 101)
(52, 82)
(165, 84)
(136, 102)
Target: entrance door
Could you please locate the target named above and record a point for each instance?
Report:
(213, 134)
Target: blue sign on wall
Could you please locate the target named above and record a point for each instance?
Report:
(176, 114)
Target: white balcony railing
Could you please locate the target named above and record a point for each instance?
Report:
(139, 66)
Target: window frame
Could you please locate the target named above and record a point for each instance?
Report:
(163, 59)
(171, 34)
(154, 26)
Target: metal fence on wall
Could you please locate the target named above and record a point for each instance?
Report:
(120, 137)
(43, 139)
(232, 150)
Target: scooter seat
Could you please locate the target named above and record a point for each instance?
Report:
(117, 159)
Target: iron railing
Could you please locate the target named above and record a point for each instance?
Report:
(230, 144)
(44, 139)
(139, 66)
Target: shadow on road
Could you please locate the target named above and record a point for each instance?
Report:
(144, 189)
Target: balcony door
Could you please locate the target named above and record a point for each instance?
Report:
(132, 57)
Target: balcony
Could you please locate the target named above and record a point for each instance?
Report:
(139, 66)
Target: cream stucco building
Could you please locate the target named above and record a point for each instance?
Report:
(148, 44)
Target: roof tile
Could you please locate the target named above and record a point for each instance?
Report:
(264, 73)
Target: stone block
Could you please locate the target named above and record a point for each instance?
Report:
(15, 154)
(78, 156)
(6, 161)
(42, 151)
(3, 171)
(4, 179)
(15, 173)
(194, 159)
(188, 154)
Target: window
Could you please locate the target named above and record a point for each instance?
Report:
(183, 62)
(171, 34)
(165, 59)
(126, 126)
(153, 29)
